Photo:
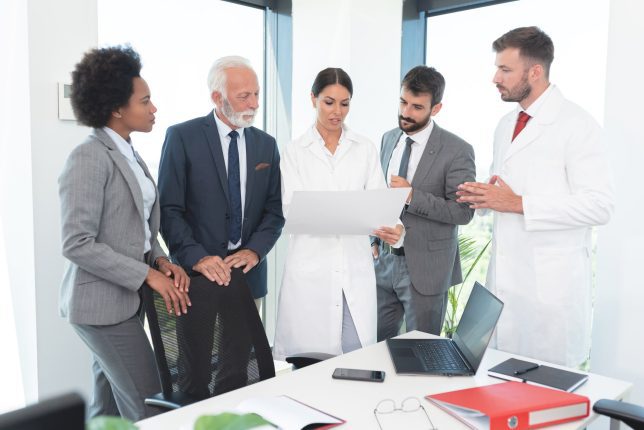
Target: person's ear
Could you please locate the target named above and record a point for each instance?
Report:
(536, 72)
(314, 100)
(117, 114)
(436, 108)
(216, 98)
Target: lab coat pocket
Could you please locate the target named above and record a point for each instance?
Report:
(560, 274)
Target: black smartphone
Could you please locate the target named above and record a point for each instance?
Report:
(359, 375)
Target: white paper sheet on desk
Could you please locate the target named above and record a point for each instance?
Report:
(344, 212)
(287, 413)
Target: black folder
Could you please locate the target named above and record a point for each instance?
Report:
(532, 373)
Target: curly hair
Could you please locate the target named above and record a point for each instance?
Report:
(102, 83)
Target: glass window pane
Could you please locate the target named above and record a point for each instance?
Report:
(178, 42)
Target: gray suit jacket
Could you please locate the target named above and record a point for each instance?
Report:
(103, 234)
(432, 218)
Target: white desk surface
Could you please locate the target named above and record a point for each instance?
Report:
(354, 401)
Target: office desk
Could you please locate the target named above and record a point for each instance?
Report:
(355, 401)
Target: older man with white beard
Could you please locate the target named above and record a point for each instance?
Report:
(219, 183)
(221, 209)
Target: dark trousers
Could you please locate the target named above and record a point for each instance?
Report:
(397, 298)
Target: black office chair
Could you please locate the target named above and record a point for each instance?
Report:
(628, 413)
(63, 412)
(218, 346)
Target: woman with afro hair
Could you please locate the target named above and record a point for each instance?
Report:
(110, 221)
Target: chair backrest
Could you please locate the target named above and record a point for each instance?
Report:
(218, 346)
(62, 412)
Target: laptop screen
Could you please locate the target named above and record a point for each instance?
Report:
(475, 329)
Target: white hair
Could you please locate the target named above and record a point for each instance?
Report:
(217, 74)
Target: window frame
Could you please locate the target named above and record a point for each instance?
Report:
(414, 25)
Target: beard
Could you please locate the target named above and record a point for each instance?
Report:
(413, 124)
(519, 93)
(237, 118)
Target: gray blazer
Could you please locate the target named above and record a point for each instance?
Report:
(103, 234)
(432, 218)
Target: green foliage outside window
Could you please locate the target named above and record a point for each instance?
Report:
(471, 255)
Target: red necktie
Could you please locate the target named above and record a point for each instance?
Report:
(522, 120)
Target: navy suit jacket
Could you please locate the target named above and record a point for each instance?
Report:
(193, 190)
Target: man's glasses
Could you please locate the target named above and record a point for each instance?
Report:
(409, 405)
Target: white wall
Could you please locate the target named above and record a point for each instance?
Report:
(363, 38)
(618, 343)
(59, 33)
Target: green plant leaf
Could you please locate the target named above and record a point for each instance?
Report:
(230, 421)
(109, 423)
(470, 256)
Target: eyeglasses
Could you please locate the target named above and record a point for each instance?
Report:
(410, 404)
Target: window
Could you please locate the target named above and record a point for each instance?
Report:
(178, 42)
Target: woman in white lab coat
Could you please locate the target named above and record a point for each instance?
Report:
(327, 301)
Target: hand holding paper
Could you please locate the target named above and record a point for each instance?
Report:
(391, 235)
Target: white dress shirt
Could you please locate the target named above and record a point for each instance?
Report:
(420, 141)
(223, 130)
(146, 185)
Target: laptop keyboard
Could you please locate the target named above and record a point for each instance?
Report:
(439, 355)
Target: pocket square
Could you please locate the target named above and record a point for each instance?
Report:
(262, 166)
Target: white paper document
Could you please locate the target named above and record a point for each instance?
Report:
(344, 212)
(287, 413)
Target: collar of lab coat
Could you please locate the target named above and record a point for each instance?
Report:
(314, 142)
(313, 136)
(543, 111)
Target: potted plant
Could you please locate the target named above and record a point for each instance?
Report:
(470, 257)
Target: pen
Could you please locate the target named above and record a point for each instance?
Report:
(526, 370)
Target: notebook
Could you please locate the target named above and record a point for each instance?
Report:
(458, 356)
(514, 369)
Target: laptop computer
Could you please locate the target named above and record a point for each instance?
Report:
(458, 356)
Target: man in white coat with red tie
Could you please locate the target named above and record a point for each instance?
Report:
(550, 183)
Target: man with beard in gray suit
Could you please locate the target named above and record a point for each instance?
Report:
(412, 281)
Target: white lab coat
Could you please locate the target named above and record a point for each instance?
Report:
(319, 268)
(541, 261)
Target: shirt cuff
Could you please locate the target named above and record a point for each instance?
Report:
(400, 242)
